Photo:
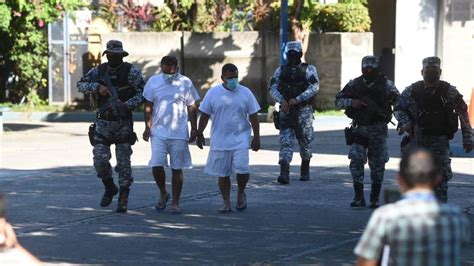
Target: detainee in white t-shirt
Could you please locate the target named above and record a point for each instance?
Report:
(233, 111)
(170, 100)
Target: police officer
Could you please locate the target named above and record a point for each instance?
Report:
(368, 101)
(293, 86)
(429, 114)
(118, 88)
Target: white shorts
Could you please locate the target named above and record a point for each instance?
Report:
(178, 150)
(225, 163)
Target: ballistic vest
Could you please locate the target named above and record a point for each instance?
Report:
(378, 96)
(119, 79)
(435, 117)
(293, 81)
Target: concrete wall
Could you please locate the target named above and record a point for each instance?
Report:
(146, 48)
(416, 24)
(458, 47)
(336, 55)
(444, 28)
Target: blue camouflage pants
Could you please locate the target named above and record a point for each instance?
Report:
(376, 153)
(304, 135)
(114, 132)
(439, 145)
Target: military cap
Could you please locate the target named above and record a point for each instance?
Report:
(115, 47)
(294, 46)
(370, 61)
(432, 61)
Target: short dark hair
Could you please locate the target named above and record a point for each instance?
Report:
(3, 206)
(169, 60)
(229, 68)
(418, 166)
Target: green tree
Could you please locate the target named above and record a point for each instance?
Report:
(25, 44)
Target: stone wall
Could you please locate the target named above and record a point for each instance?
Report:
(201, 55)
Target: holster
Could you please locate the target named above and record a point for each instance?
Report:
(130, 139)
(91, 133)
(276, 119)
(349, 136)
(133, 138)
(354, 137)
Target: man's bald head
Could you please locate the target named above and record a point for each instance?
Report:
(418, 167)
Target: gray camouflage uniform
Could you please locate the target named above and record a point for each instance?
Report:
(305, 117)
(114, 131)
(439, 145)
(376, 153)
(369, 125)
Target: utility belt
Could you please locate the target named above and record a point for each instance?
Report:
(374, 122)
(130, 139)
(354, 137)
(109, 116)
(303, 105)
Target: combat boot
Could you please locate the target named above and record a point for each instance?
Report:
(304, 174)
(123, 199)
(359, 200)
(110, 191)
(374, 195)
(284, 177)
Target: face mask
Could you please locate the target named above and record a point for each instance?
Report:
(294, 58)
(231, 84)
(431, 76)
(114, 60)
(169, 77)
(370, 76)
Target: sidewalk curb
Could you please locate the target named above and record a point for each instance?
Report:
(71, 116)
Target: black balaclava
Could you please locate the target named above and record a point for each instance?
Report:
(294, 57)
(370, 74)
(114, 60)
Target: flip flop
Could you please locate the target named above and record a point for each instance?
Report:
(226, 210)
(241, 208)
(160, 206)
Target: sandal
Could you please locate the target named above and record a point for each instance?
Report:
(243, 206)
(162, 205)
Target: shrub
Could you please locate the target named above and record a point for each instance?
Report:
(5, 15)
(341, 17)
(25, 43)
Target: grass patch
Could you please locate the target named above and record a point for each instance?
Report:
(42, 108)
(329, 112)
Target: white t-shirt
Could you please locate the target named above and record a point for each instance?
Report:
(170, 102)
(229, 111)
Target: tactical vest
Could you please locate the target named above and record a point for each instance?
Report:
(377, 94)
(435, 116)
(119, 79)
(293, 82)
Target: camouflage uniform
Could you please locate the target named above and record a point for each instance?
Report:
(303, 131)
(438, 144)
(114, 130)
(375, 132)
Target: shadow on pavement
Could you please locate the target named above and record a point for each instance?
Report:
(336, 142)
(21, 127)
(56, 213)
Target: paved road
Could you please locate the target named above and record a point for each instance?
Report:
(53, 202)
